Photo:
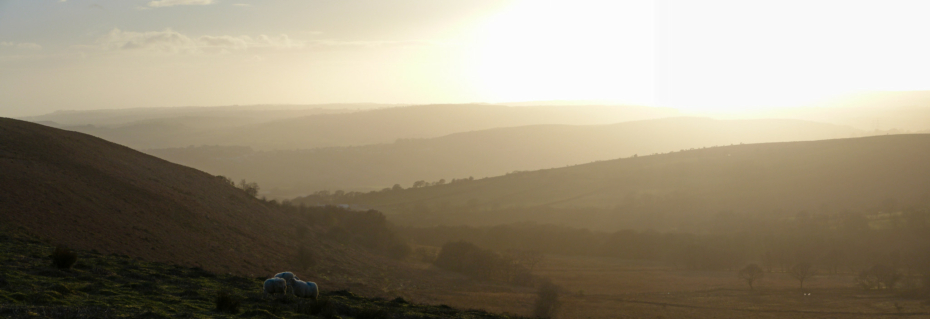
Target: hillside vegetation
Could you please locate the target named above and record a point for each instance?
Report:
(669, 191)
(115, 286)
(482, 153)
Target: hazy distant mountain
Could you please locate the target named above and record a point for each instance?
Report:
(328, 128)
(674, 191)
(482, 153)
(208, 116)
(883, 111)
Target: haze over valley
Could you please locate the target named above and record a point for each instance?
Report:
(464, 159)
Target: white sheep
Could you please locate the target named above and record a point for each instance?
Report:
(287, 276)
(304, 289)
(274, 286)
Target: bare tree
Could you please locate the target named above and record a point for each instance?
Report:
(802, 272)
(751, 273)
(249, 188)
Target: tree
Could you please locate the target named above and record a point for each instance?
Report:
(751, 273)
(879, 276)
(249, 188)
(802, 272)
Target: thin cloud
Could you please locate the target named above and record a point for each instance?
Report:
(242, 5)
(21, 45)
(171, 3)
(170, 41)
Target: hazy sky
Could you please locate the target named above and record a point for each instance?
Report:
(713, 55)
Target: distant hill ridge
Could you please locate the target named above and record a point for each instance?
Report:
(481, 153)
(774, 179)
(311, 128)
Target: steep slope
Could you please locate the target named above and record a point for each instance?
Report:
(88, 193)
(776, 179)
(482, 153)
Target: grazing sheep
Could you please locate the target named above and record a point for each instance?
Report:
(274, 286)
(287, 275)
(304, 289)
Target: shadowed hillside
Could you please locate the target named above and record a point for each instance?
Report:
(482, 153)
(671, 190)
(88, 193)
(92, 194)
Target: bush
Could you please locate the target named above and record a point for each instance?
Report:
(547, 300)
(225, 302)
(63, 258)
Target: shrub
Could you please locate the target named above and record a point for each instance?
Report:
(547, 300)
(226, 302)
(63, 258)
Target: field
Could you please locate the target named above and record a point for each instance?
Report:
(613, 288)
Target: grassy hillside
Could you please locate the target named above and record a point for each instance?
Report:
(774, 179)
(88, 193)
(114, 286)
(482, 153)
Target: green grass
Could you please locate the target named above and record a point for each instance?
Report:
(113, 286)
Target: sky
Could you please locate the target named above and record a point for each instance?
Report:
(693, 55)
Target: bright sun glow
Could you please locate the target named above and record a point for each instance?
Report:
(544, 50)
(719, 56)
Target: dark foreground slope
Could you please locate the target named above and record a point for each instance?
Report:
(102, 286)
(775, 179)
(483, 153)
(88, 193)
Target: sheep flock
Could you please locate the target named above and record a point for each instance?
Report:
(285, 283)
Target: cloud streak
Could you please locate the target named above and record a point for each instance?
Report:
(170, 41)
(171, 3)
(21, 45)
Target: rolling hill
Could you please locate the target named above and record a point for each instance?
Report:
(122, 210)
(667, 191)
(492, 152)
(77, 190)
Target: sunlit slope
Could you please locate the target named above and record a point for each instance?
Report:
(84, 192)
(776, 178)
(483, 153)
